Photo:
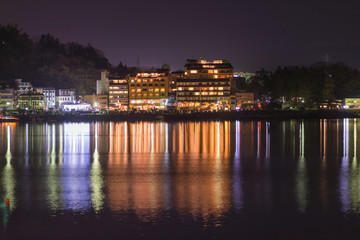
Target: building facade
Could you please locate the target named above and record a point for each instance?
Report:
(64, 96)
(242, 100)
(148, 89)
(97, 102)
(32, 101)
(7, 98)
(118, 94)
(206, 85)
(50, 96)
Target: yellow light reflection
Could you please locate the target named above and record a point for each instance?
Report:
(8, 174)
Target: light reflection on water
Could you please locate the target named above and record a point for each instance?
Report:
(202, 169)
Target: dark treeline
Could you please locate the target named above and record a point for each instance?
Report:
(318, 83)
(46, 62)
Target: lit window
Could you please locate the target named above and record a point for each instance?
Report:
(211, 71)
(221, 88)
(163, 90)
(156, 90)
(193, 71)
(191, 88)
(216, 76)
(215, 71)
(138, 90)
(180, 89)
(197, 93)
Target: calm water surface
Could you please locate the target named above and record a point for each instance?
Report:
(201, 180)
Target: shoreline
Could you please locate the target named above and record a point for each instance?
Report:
(190, 116)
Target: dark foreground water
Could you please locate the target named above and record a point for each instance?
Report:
(193, 180)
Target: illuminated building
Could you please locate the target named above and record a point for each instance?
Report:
(351, 103)
(23, 87)
(98, 102)
(102, 86)
(7, 98)
(148, 89)
(118, 94)
(242, 100)
(206, 85)
(34, 101)
(64, 96)
(49, 94)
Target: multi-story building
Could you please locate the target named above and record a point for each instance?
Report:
(7, 98)
(22, 87)
(118, 94)
(50, 96)
(148, 89)
(64, 96)
(32, 101)
(98, 102)
(242, 100)
(206, 85)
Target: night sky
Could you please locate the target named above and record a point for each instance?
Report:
(252, 34)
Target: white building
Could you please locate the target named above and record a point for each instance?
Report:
(49, 94)
(64, 96)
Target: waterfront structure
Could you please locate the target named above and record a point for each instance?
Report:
(206, 85)
(32, 101)
(64, 96)
(118, 94)
(351, 103)
(148, 89)
(102, 86)
(69, 107)
(23, 87)
(98, 102)
(7, 98)
(242, 100)
(50, 96)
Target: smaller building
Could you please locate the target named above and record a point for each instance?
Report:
(7, 98)
(23, 87)
(70, 107)
(118, 94)
(64, 96)
(50, 97)
(98, 102)
(32, 101)
(351, 103)
(242, 100)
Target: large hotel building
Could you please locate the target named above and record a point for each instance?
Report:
(148, 89)
(206, 85)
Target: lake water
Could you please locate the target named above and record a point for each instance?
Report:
(295, 179)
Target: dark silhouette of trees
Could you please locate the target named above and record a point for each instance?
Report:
(47, 62)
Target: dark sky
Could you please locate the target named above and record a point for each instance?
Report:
(252, 34)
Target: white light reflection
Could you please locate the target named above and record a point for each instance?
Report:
(96, 178)
(344, 170)
(236, 181)
(301, 178)
(267, 140)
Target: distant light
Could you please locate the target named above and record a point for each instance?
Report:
(345, 107)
